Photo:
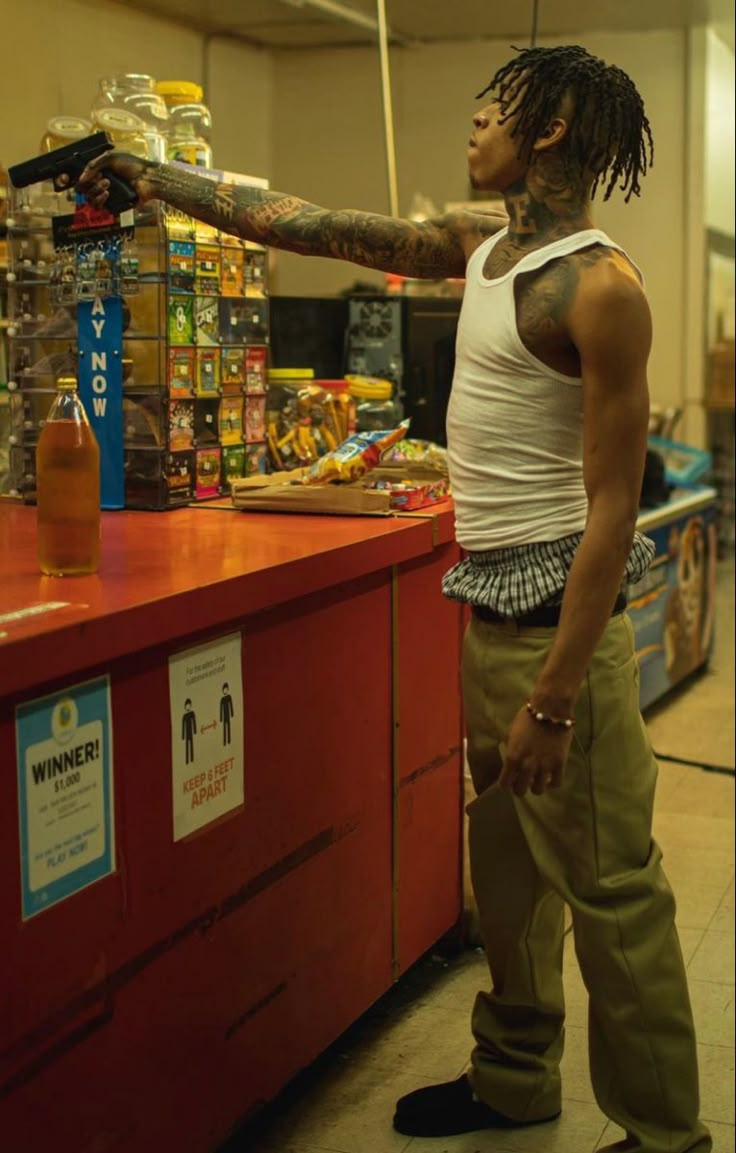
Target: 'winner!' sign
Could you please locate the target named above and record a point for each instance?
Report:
(65, 793)
(100, 337)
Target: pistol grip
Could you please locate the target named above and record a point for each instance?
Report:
(120, 196)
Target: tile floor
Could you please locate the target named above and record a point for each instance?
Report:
(419, 1032)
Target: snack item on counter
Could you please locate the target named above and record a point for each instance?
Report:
(418, 452)
(406, 496)
(355, 456)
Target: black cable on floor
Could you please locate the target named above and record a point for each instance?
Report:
(708, 768)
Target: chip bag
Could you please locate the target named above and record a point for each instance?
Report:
(355, 456)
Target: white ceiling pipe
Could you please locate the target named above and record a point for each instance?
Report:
(344, 12)
(388, 115)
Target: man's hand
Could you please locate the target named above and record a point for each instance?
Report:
(535, 755)
(132, 169)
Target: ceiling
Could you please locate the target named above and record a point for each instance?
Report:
(308, 23)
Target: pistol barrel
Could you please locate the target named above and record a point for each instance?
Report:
(71, 160)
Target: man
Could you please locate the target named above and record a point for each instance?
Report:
(547, 432)
(226, 713)
(188, 730)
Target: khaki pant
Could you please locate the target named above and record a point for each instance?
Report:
(588, 844)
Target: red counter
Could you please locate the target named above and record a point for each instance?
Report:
(157, 1007)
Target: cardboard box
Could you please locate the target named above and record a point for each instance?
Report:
(277, 492)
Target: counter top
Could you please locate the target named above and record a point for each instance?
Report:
(164, 575)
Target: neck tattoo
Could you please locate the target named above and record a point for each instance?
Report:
(521, 221)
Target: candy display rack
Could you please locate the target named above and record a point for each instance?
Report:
(190, 356)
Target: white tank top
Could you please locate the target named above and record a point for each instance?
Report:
(514, 425)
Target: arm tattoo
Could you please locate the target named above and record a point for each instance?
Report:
(544, 298)
(272, 210)
(224, 201)
(429, 249)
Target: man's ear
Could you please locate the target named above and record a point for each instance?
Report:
(553, 134)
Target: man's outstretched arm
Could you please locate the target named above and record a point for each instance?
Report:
(428, 249)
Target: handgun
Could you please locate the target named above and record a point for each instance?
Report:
(71, 160)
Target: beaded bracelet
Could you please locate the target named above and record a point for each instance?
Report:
(545, 719)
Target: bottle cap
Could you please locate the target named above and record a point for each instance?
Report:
(66, 383)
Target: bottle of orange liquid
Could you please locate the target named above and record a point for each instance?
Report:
(68, 487)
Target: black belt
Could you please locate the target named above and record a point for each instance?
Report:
(544, 617)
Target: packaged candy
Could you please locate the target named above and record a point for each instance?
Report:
(418, 452)
(406, 496)
(355, 456)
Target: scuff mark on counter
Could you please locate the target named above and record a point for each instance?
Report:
(254, 1009)
(431, 766)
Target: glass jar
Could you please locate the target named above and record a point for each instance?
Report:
(190, 122)
(155, 115)
(62, 130)
(189, 135)
(126, 130)
(128, 108)
(375, 404)
(112, 89)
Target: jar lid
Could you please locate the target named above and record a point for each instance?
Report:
(370, 387)
(73, 126)
(276, 374)
(139, 80)
(180, 91)
(118, 120)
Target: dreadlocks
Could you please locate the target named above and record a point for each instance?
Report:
(609, 133)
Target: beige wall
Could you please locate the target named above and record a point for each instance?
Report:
(55, 51)
(63, 47)
(239, 93)
(328, 146)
